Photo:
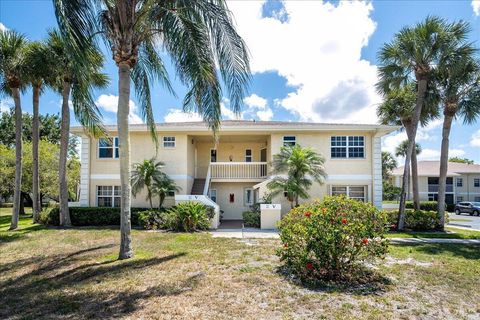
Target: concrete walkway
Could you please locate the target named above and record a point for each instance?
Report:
(249, 233)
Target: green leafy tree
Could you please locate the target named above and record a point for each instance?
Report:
(461, 160)
(7, 171)
(413, 56)
(388, 164)
(163, 186)
(12, 82)
(301, 166)
(390, 191)
(198, 36)
(76, 76)
(144, 175)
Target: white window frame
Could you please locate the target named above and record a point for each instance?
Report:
(459, 182)
(347, 191)
(213, 194)
(114, 147)
(248, 158)
(347, 146)
(252, 198)
(112, 194)
(216, 155)
(459, 199)
(476, 182)
(289, 142)
(169, 142)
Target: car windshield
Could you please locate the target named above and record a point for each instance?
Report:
(476, 204)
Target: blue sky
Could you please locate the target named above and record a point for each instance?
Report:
(311, 61)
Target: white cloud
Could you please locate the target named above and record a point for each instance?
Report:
(109, 103)
(5, 105)
(475, 139)
(330, 80)
(433, 154)
(476, 7)
(258, 106)
(2, 27)
(177, 115)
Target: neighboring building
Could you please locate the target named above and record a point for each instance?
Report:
(234, 173)
(463, 181)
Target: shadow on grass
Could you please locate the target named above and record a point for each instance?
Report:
(363, 281)
(25, 226)
(467, 251)
(63, 286)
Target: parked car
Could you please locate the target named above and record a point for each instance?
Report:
(472, 208)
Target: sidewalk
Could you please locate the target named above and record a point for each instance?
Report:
(249, 233)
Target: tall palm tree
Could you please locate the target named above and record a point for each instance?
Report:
(458, 83)
(76, 77)
(413, 56)
(12, 82)
(162, 187)
(301, 166)
(397, 109)
(197, 35)
(39, 73)
(144, 175)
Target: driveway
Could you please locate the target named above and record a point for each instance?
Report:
(465, 220)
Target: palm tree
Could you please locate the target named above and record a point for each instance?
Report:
(397, 109)
(401, 149)
(458, 83)
(39, 73)
(144, 175)
(197, 35)
(301, 165)
(162, 187)
(412, 57)
(12, 81)
(76, 76)
(388, 164)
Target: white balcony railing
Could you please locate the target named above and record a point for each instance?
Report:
(238, 170)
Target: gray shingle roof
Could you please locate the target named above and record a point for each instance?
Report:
(432, 169)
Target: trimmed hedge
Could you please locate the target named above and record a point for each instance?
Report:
(429, 206)
(251, 219)
(419, 220)
(89, 216)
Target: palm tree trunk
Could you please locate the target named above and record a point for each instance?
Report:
(421, 90)
(62, 172)
(124, 150)
(18, 159)
(36, 206)
(442, 181)
(414, 175)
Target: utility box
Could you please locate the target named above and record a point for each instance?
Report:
(270, 214)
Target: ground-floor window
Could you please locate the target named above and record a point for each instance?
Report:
(459, 198)
(433, 197)
(108, 196)
(477, 199)
(353, 192)
(213, 195)
(248, 197)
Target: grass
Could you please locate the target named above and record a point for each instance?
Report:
(450, 233)
(73, 273)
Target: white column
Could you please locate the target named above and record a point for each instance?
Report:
(85, 171)
(377, 172)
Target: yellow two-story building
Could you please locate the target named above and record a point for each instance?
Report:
(234, 171)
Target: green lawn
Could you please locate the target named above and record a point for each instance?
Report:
(451, 233)
(60, 273)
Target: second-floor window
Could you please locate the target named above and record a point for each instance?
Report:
(108, 148)
(459, 182)
(476, 183)
(169, 142)
(248, 155)
(347, 147)
(289, 141)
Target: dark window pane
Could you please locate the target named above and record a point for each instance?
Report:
(104, 142)
(116, 202)
(105, 152)
(116, 153)
(104, 201)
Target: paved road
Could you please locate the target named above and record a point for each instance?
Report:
(465, 220)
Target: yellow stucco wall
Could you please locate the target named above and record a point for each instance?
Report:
(224, 189)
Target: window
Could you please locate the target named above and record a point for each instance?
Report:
(353, 192)
(289, 141)
(459, 199)
(248, 155)
(108, 147)
(213, 155)
(169, 142)
(248, 197)
(171, 193)
(476, 183)
(433, 197)
(213, 195)
(459, 182)
(347, 147)
(477, 199)
(108, 196)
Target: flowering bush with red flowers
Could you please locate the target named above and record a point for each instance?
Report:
(329, 240)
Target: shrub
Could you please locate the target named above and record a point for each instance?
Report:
(153, 219)
(424, 205)
(328, 240)
(89, 216)
(251, 219)
(188, 216)
(418, 220)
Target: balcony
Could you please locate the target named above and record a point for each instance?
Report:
(238, 171)
(434, 188)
